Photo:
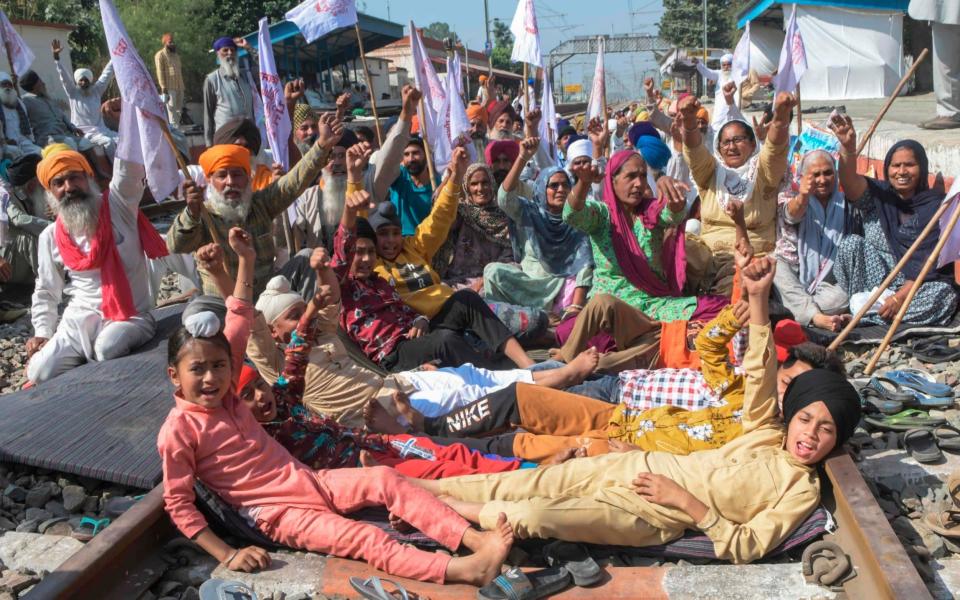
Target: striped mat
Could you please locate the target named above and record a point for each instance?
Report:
(99, 420)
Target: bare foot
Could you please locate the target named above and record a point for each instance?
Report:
(367, 459)
(554, 354)
(402, 403)
(490, 549)
(560, 457)
(379, 420)
(399, 524)
(583, 365)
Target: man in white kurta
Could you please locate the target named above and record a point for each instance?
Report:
(83, 333)
(944, 17)
(721, 78)
(86, 97)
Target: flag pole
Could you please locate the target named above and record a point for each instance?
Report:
(896, 92)
(366, 75)
(934, 220)
(13, 73)
(526, 94)
(927, 266)
(799, 113)
(426, 143)
(603, 96)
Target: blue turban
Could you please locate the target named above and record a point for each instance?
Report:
(643, 128)
(224, 42)
(655, 153)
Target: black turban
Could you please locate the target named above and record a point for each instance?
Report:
(384, 214)
(364, 230)
(833, 389)
(239, 127)
(23, 169)
(29, 80)
(348, 139)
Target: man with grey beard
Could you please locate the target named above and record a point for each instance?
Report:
(227, 93)
(319, 208)
(18, 137)
(25, 223)
(231, 202)
(96, 253)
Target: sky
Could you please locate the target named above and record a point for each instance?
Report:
(557, 19)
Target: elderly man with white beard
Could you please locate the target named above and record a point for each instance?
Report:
(319, 208)
(18, 136)
(227, 93)
(96, 253)
(231, 202)
(86, 96)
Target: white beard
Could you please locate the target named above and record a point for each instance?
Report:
(233, 213)
(230, 68)
(8, 97)
(334, 198)
(79, 216)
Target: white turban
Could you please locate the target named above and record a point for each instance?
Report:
(726, 58)
(4, 76)
(581, 147)
(81, 73)
(277, 298)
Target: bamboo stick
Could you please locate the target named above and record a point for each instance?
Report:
(896, 92)
(366, 75)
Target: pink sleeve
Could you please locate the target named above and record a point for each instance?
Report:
(179, 474)
(237, 331)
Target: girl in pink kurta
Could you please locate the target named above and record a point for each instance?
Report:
(212, 436)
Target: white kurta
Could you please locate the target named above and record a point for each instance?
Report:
(85, 105)
(720, 107)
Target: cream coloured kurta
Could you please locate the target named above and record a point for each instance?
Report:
(755, 491)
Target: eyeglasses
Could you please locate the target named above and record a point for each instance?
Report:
(737, 139)
(556, 185)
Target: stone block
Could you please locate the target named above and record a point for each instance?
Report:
(35, 551)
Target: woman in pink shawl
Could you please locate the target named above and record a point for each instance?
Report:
(638, 244)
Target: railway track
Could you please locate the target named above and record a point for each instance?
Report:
(124, 560)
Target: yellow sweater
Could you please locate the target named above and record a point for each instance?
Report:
(411, 272)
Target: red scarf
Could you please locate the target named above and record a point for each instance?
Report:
(117, 303)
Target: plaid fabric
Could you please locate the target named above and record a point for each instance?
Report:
(643, 389)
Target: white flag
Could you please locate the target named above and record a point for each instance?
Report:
(142, 116)
(526, 35)
(548, 121)
(276, 117)
(454, 70)
(433, 115)
(21, 57)
(599, 90)
(793, 58)
(951, 250)
(457, 123)
(316, 18)
(741, 57)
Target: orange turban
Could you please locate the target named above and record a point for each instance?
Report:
(476, 111)
(704, 114)
(61, 162)
(224, 156)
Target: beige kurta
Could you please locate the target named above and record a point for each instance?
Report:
(755, 491)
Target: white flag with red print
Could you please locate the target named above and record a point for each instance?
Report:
(951, 250)
(741, 57)
(526, 35)
(433, 116)
(21, 57)
(276, 117)
(142, 116)
(456, 71)
(599, 89)
(457, 123)
(316, 18)
(548, 120)
(793, 58)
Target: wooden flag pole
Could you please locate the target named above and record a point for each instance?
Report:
(934, 220)
(799, 113)
(13, 73)
(426, 143)
(526, 94)
(896, 92)
(366, 75)
(927, 266)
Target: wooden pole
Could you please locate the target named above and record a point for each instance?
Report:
(927, 266)
(426, 143)
(889, 279)
(366, 75)
(13, 73)
(526, 95)
(799, 113)
(292, 247)
(896, 92)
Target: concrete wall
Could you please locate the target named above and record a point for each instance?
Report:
(39, 37)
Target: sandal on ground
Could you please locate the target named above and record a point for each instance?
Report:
(922, 446)
(944, 522)
(372, 588)
(873, 400)
(932, 350)
(517, 585)
(948, 437)
(892, 390)
(575, 559)
(903, 421)
(953, 488)
(918, 381)
(221, 589)
(88, 528)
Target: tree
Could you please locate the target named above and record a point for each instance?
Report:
(439, 30)
(86, 41)
(503, 48)
(682, 23)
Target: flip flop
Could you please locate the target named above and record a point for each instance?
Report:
(372, 588)
(517, 585)
(948, 437)
(913, 379)
(953, 488)
(932, 350)
(944, 522)
(922, 446)
(904, 420)
(221, 589)
(575, 559)
(891, 390)
(872, 398)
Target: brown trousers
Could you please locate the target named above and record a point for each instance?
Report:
(637, 336)
(554, 421)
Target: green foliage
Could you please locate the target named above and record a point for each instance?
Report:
(439, 30)
(503, 48)
(239, 17)
(682, 23)
(86, 41)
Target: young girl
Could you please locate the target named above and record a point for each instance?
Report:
(212, 436)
